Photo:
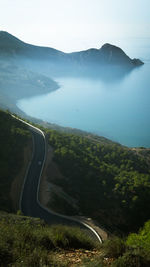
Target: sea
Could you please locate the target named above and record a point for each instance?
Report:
(118, 110)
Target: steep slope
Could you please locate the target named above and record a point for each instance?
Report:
(28, 242)
(12, 46)
(107, 55)
(16, 80)
(14, 141)
(9, 43)
(105, 181)
(114, 55)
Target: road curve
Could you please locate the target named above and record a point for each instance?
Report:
(29, 201)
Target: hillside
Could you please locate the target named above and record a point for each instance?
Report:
(107, 54)
(16, 79)
(98, 179)
(28, 241)
(15, 151)
(17, 82)
(12, 46)
(109, 182)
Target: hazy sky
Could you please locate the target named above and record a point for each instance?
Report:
(71, 25)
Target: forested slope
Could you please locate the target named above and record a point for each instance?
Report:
(14, 137)
(111, 183)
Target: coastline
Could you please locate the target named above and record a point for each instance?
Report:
(45, 124)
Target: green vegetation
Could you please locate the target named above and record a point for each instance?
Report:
(30, 242)
(110, 182)
(14, 136)
(134, 251)
(26, 241)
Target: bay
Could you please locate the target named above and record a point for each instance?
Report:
(118, 110)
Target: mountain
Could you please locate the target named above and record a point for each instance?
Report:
(18, 82)
(107, 55)
(27, 70)
(12, 46)
(16, 79)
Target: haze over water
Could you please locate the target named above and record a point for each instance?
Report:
(118, 110)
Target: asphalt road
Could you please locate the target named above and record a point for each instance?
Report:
(29, 204)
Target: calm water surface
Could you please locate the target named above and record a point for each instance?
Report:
(119, 111)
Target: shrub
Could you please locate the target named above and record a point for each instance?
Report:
(71, 237)
(92, 263)
(6, 255)
(131, 259)
(114, 247)
(25, 243)
(141, 241)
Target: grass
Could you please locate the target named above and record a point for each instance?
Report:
(29, 242)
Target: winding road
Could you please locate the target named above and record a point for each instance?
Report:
(30, 205)
(29, 202)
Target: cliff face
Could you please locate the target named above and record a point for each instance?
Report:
(115, 55)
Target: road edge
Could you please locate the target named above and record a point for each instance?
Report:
(38, 188)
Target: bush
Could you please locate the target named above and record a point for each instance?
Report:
(141, 241)
(136, 249)
(92, 263)
(114, 247)
(24, 242)
(6, 255)
(46, 242)
(71, 237)
(131, 259)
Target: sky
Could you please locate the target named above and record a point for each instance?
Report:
(73, 25)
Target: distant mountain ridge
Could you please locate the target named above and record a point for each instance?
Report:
(107, 55)
(11, 45)
(27, 70)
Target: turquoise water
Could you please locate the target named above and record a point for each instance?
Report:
(119, 111)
